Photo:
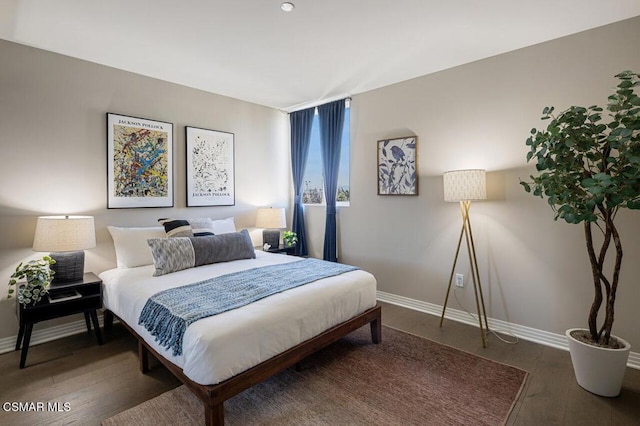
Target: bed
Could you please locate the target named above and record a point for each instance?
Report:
(224, 354)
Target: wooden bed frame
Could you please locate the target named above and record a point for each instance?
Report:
(213, 396)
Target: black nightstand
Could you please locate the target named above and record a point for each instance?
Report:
(282, 249)
(88, 301)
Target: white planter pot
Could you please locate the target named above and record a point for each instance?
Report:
(598, 370)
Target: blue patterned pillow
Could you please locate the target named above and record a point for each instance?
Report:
(176, 228)
(172, 254)
(187, 227)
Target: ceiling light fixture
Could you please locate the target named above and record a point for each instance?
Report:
(287, 6)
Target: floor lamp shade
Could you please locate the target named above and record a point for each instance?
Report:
(66, 237)
(465, 185)
(271, 219)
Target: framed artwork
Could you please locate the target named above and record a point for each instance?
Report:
(210, 168)
(397, 166)
(139, 162)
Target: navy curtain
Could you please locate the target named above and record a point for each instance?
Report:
(331, 117)
(300, 137)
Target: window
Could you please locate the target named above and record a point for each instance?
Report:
(313, 183)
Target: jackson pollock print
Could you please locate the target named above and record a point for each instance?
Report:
(139, 162)
(210, 168)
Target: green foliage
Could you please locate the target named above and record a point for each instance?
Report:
(586, 166)
(588, 169)
(290, 238)
(38, 275)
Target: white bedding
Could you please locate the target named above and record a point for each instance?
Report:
(219, 347)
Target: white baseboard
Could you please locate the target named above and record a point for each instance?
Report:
(554, 340)
(43, 335)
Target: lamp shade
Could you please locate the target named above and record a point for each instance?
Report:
(465, 185)
(271, 218)
(64, 233)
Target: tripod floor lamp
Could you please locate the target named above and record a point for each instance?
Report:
(464, 186)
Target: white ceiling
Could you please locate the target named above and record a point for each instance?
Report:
(323, 50)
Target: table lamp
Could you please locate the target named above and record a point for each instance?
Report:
(463, 186)
(270, 219)
(66, 237)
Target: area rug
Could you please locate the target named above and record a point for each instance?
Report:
(405, 380)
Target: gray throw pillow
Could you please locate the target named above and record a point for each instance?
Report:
(223, 247)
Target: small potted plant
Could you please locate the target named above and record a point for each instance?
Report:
(38, 275)
(290, 238)
(588, 170)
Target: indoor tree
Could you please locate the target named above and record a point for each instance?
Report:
(588, 169)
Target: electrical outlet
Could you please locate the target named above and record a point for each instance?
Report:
(459, 280)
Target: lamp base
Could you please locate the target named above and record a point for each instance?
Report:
(271, 237)
(69, 266)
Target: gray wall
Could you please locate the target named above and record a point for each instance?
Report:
(53, 143)
(534, 271)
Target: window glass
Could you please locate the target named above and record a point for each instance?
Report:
(313, 182)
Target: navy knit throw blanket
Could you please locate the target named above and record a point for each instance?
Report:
(167, 314)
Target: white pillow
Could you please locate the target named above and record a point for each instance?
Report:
(201, 226)
(131, 244)
(223, 226)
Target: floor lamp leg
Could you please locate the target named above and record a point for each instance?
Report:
(473, 266)
(453, 268)
(475, 276)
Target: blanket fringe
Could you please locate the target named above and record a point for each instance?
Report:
(167, 328)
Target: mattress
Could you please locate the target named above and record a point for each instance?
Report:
(222, 346)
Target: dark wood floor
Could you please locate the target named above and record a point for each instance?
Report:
(100, 381)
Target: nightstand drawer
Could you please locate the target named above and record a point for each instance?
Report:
(48, 310)
(90, 297)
